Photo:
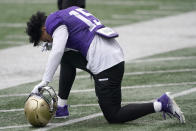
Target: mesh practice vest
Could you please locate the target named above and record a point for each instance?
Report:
(81, 25)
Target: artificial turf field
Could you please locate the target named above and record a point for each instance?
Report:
(15, 13)
(144, 79)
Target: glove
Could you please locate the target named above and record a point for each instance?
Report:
(38, 87)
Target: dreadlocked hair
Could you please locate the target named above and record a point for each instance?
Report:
(34, 25)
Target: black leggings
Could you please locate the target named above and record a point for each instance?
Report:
(107, 88)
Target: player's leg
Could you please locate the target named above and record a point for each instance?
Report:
(69, 62)
(108, 90)
(66, 79)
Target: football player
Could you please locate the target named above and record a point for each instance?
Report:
(80, 40)
(63, 4)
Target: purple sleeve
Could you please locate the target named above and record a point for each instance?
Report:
(52, 22)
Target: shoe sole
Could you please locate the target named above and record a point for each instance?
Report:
(176, 109)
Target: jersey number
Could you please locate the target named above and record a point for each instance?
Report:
(92, 23)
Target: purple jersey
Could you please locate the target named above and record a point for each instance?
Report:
(82, 27)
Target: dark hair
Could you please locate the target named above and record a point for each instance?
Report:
(34, 26)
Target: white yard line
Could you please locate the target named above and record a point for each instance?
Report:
(182, 93)
(163, 59)
(69, 122)
(147, 72)
(11, 110)
(27, 1)
(124, 87)
(13, 42)
(11, 127)
(141, 14)
(125, 3)
(185, 92)
(131, 16)
(54, 125)
(115, 22)
(14, 95)
(156, 12)
(139, 86)
(16, 36)
(161, 71)
(13, 25)
(73, 121)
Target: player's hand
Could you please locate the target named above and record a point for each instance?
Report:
(39, 86)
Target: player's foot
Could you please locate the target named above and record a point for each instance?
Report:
(62, 112)
(170, 107)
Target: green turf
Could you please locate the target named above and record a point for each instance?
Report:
(176, 53)
(108, 11)
(151, 122)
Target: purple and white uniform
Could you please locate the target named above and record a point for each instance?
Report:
(75, 28)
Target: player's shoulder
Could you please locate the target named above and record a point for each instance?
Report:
(52, 22)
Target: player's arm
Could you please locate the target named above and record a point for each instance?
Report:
(60, 37)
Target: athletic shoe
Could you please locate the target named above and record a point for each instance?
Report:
(170, 107)
(62, 112)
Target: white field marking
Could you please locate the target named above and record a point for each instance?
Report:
(72, 106)
(161, 71)
(69, 122)
(163, 59)
(159, 85)
(147, 72)
(131, 16)
(132, 61)
(144, 14)
(92, 90)
(170, 7)
(14, 95)
(182, 93)
(13, 42)
(27, 1)
(11, 127)
(128, 3)
(115, 22)
(140, 86)
(13, 25)
(54, 125)
(185, 92)
(22, 37)
(155, 12)
(124, 3)
(125, 87)
(12, 110)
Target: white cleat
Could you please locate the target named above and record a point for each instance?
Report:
(170, 107)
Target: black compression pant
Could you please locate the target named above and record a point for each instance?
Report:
(107, 87)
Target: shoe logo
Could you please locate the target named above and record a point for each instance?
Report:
(103, 79)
